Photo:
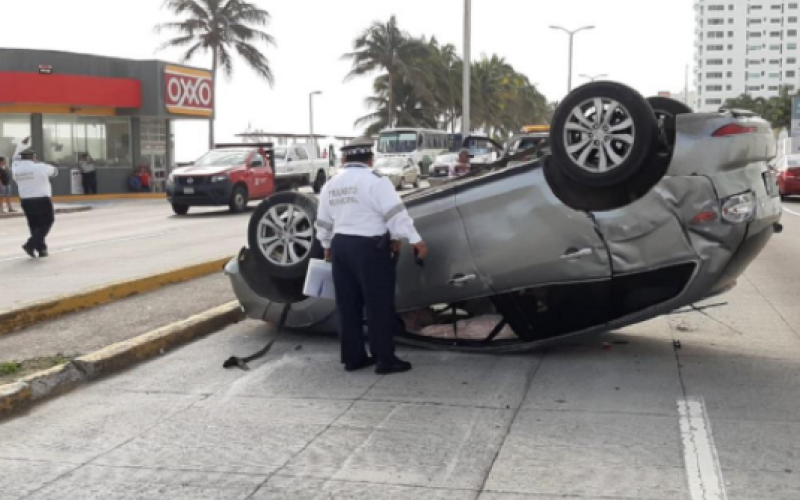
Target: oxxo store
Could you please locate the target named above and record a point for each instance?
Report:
(119, 111)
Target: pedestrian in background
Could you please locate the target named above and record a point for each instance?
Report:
(35, 192)
(5, 186)
(88, 173)
(359, 221)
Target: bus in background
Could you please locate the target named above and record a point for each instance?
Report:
(421, 145)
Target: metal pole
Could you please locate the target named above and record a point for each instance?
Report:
(467, 84)
(311, 117)
(569, 81)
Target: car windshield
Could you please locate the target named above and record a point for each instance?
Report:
(386, 163)
(221, 158)
(280, 153)
(529, 142)
(398, 142)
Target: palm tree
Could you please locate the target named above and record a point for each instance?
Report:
(223, 27)
(384, 47)
(410, 109)
(446, 68)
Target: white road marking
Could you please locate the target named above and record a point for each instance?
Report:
(791, 211)
(92, 244)
(699, 453)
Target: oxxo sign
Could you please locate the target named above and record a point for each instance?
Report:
(188, 91)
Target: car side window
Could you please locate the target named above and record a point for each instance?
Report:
(301, 153)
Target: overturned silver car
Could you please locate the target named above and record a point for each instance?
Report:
(639, 207)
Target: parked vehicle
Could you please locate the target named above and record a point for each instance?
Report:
(229, 174)
(420, 145)
(400, 171)
(300, 165)
(536, 141)
(787, 169)
(482, 150)
(621, 222)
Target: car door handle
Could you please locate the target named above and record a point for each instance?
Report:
(461, 280)
(574, 253)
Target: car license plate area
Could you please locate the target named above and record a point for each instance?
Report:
(188, 190)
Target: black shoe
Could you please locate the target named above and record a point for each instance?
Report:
(351, 367)
(29, 250)
(396, 366)
(43, 253)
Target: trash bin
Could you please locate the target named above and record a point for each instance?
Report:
(76, 181)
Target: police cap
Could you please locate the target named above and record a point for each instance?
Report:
(30, 152)
(358, 147)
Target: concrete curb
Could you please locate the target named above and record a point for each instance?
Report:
(114, 358)
(15, 319)
(63, 210)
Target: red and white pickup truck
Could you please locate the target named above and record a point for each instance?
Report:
(229, 174)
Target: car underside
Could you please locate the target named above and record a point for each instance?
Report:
(641, 208)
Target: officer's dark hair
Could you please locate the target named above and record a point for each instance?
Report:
(359, 158)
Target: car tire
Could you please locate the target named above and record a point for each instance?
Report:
(399, 186)
(180, 208)
(666, 111)
(606, 147)
(238, 203)
(285, 258)
(319, 181)
(416, 182)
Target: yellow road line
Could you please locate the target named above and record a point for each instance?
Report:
(26, 316)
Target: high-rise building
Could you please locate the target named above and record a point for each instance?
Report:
(745, 47)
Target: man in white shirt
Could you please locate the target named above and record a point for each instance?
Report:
(35, 192)
(359, 213)
(88, 173)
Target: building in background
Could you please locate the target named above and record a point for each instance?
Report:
(119, 111)
(745, 47)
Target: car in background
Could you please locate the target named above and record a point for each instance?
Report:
(229, 174)
(400, 171)
(298, 165)
(534, 137)
(787, 169)
(418, 144)
(482, 151)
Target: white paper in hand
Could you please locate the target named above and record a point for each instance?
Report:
(319, 280)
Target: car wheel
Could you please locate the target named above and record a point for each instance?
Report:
(399, 185)
(666, 111)
(281, 234)
(180, 208)
(238, 203)
(603, 133)
(319, 182)
(416, 182)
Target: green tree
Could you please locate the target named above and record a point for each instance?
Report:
(776, 110)
(384, 47)
(225, 28)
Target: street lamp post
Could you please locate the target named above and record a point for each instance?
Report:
(467, 84)
(311, 114)
(571, 36)
(593, 78)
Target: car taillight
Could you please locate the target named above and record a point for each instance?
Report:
(739, 208)
(734, 129)
(793, 172)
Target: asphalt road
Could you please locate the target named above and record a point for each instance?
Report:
(116, 241)
(636, 418)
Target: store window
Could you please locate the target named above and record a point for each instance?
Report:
(105, 139)
(13, 129)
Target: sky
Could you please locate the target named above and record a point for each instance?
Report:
(643, 43)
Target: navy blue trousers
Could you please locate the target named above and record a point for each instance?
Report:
(364, 277)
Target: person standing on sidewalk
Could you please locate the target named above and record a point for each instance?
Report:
(5, 186)
(35, 193)
(359, 221)
(88, 174)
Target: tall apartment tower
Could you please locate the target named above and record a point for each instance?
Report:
(745, 47)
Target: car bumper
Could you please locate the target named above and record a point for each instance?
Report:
(790, 187)
(218, 193)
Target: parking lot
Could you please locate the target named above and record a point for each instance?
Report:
(688, 406)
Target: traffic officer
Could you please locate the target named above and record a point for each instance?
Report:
(359, 222)
(35, 192)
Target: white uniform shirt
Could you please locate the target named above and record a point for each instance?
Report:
(359, 202)
(32, 178)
